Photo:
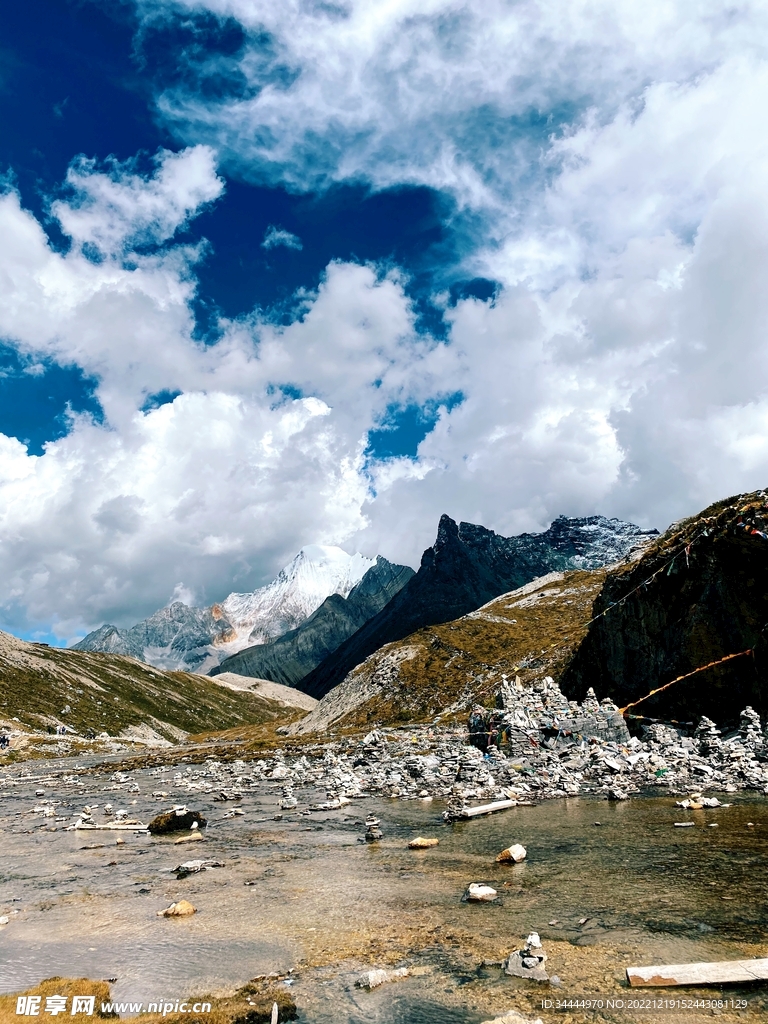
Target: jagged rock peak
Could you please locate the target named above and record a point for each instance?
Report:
(586, 542)
(469, 565)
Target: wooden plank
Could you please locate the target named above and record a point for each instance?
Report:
(475, 812)
(718, 973)
(135, 826)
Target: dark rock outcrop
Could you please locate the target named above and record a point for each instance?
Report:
(466, 567)
(293, 655)
(176, 821)
(698, 594)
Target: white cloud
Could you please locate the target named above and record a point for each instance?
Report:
(435, 92)
(223, 485)
(274, 237)
(204, 491)
(114, 208)
(622, 368)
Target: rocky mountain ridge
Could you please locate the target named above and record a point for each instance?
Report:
(198, 639)
(687, 616)
(468, 566)
(292, 656)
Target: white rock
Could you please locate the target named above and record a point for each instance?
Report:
(372, 979)
(514, 854)
(479, 893)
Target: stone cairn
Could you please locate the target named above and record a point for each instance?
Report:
(372, 831)
(750, 729)
(708, 736)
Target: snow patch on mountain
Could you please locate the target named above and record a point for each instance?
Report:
(198, 639)
(298, 590)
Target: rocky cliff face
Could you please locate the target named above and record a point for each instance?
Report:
(698, 594)
(293, 655)
(468, 566)
(198, 639)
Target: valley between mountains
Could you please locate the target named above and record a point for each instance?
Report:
(589, 603)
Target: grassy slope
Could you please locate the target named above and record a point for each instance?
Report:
(462, 661)
(108, 693)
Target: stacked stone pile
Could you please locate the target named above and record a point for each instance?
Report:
(555, 760)
(553, 757)
(543, 708)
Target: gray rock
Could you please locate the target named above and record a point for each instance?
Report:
(518, 965)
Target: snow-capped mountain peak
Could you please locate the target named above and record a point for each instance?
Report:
(199, 638)
(314, 574)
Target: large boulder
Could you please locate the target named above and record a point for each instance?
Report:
(178, 820)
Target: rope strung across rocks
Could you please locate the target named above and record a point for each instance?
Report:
(563, 641)
(702, 668)
(684, 548)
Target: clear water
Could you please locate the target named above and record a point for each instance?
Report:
(633, 889)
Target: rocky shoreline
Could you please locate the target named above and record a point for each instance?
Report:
(281, 845)
(548, 748)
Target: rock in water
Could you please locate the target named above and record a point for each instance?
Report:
(372, 831)
(178, 820)
(372, 979)
(513, 854)
(479, 893)
(192, 867)
(193, 837)
(528, 962)
(181, 909)
(422, 844)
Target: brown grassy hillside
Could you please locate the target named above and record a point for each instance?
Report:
(530, 632)
(109, 693)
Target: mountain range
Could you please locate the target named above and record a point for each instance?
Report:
(590, 602)
(327, 611)
(468, 566)
(198, 639)
(680, 625)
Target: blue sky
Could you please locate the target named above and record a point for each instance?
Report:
(281, 274)
(78, 81)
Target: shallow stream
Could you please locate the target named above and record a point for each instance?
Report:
(304, 894)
